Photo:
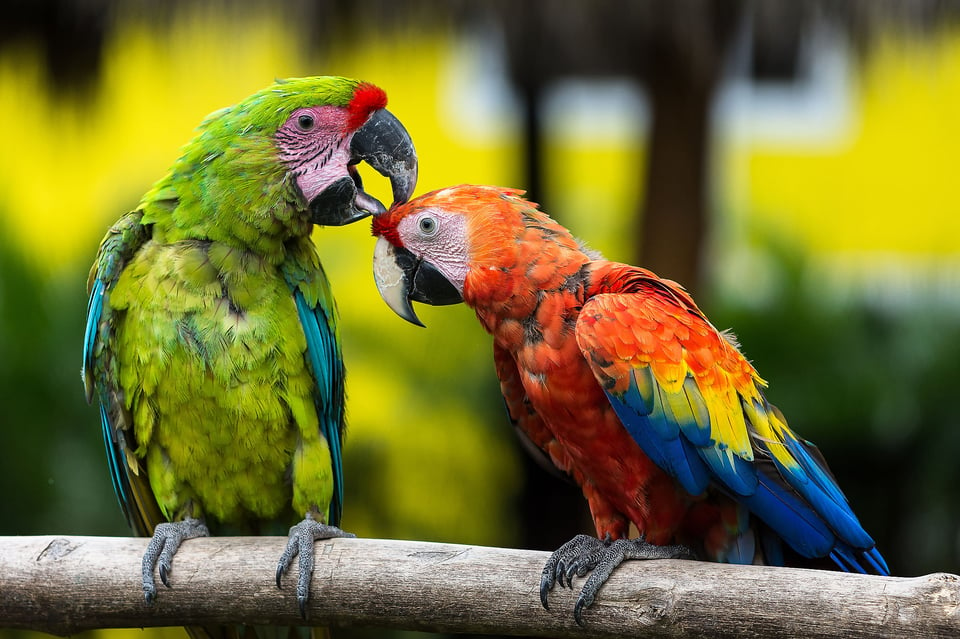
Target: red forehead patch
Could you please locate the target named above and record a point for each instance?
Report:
(366, 99)
(385, 225)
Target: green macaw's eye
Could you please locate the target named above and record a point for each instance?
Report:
(306, 122)
(428, 226)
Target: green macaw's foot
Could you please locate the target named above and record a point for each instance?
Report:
(583, 553)
(300, 542)
(167, 537)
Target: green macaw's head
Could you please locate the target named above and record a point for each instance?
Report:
(290, 147)
(324, 127)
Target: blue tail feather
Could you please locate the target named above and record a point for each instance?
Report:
(823, 494)
(116, 463)
(790, 518)
(94, 313)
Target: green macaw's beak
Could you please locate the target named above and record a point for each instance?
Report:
(385, 145)
(401, 277)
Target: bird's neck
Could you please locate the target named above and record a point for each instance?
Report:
(539, 296)
(256, 218)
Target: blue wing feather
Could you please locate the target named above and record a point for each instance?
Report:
(323, 349)
(118, 473)
(115, 456)
(771, 545)
(791, 493)
(876, 560)
(659, 438)
(793, 519)
(737, 475)
(803, 504)
(743, 549)
(94, 312)
(823, 494)
(98, 370)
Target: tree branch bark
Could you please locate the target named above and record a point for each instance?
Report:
(63, 585)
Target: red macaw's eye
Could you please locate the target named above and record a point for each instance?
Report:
(306, 122)
(428, 226)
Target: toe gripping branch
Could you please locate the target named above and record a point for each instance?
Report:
(166, 539)
(300, 544)
(583, 553)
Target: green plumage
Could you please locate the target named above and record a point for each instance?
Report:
(213, 373)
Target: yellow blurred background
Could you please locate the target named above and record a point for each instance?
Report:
(834, 207)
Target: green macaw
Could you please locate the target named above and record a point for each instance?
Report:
(211, 339)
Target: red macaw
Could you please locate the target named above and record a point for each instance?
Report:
(622, 382)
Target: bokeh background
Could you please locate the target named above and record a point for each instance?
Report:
(793, 163)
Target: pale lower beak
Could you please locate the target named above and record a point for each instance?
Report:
(392, 281)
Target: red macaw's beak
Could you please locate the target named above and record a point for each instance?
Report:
(384, 144)
(402, 277)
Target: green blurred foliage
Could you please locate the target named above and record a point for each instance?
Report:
(53, 477)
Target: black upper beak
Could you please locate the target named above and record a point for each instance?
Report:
(384, 143)
(401, 278)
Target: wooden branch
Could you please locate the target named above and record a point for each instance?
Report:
(63, 585)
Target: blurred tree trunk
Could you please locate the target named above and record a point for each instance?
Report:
(674, 217)
(677, 51)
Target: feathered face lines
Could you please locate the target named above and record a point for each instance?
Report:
(315, 143)
(440, 246)
(309, 131)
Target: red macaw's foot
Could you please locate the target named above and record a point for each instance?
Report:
(583, 553)
(300, 543)
(167, 538)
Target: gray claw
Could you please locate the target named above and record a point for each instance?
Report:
(166, 539)
(300, 543)
(562, 564)
(582, 554)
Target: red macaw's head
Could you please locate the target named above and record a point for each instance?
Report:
(445, 246)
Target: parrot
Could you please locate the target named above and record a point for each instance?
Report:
(618, 381)
(211, 341)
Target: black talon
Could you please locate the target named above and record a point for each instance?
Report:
(548, 577)
(164, 575)
(545, 587)
(578, 610)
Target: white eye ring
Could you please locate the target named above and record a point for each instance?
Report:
(428, 226)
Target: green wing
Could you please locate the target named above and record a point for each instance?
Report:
(101, 378)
